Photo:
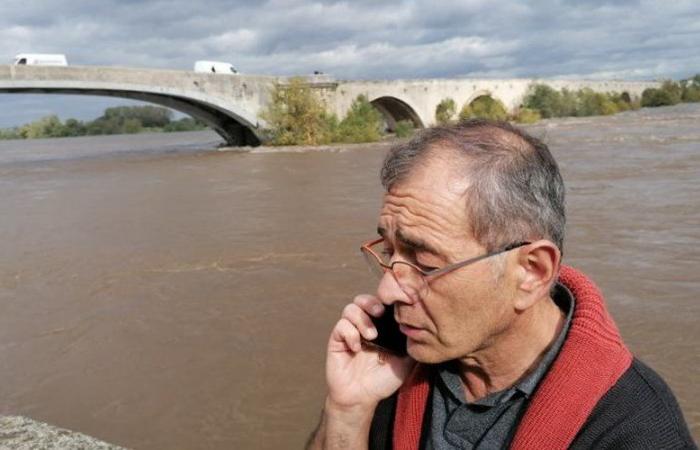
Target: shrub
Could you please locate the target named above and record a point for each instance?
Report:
(404, 128)
(592, 103)
(184, 124)
(622, 101)
(445, 111)
(49, 126)
(484, 107)
(148, 116)
(361, 124)
(10, 133)
(691, 94)
(74, 127)
(657, 97)
(543, 99)
(526, 115)
(670, 93)
(691, 89)
(295, 115)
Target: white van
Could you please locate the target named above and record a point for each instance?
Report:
(213, 67)
(39, 59)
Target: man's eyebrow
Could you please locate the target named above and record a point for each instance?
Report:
(415, 245)
(381, 231)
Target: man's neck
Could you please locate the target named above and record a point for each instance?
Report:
(514, 353)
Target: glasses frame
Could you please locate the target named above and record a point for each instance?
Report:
(366, 248)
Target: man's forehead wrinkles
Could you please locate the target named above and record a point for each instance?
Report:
(405, 218)
(418, 196)
(413, 209)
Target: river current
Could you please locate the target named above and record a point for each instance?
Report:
(158, 293)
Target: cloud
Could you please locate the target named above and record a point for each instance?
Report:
(365, 39)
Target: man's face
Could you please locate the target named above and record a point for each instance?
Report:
(424, 221)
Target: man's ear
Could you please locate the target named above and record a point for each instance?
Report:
(537, 266)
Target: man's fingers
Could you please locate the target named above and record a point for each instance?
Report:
(371, 304)
(347, 333)
(360, 320)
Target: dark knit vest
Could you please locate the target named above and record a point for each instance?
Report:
(589, 363)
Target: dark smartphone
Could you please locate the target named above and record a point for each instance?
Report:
(390, 338)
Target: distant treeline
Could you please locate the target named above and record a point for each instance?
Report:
(551, 103)
(116, 120)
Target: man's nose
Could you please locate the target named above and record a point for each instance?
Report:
(391, 290)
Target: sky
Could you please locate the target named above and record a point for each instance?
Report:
(360, 39)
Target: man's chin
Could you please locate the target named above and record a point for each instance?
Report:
(424, 353)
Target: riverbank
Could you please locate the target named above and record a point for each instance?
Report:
(23, 433)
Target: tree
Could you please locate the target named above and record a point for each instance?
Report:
(526, 115)
(49, 126)
(295, 115)
(484, 107)
(361, 124)
(404, 128)
(592, 103)
(148, 116)
(445, 111)
(691, 89)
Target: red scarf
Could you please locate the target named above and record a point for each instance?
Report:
(589, 363)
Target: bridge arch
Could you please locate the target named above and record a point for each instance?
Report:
(236, 126)
(478, 94)
(484, 104)
(395, 110)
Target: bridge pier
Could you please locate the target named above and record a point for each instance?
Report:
(236, 134)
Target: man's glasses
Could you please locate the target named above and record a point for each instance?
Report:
(379, 261)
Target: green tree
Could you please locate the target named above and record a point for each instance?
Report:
(184, 124)
(361, 124)
(691, 89)
(10, 133)
(445, 111)
(49, 126)
(484, 107)
(591, 103)
(148, 116)
(295, 115)
(131, 126)
(544, 99)
(526, 115)
(404, 128)
(670, 93)
(74, 127)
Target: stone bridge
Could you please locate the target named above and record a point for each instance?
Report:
(231, 103)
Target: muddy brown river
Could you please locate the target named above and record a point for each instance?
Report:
(158, 294)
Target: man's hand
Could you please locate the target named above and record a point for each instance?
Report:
(358, 377)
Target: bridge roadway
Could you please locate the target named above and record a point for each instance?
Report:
(231, 104)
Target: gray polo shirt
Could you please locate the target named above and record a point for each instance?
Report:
(490, 422)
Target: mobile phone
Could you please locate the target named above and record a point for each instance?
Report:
(389, 338)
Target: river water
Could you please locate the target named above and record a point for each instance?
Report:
(158, 293)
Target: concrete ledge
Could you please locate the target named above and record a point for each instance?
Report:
(22, 433)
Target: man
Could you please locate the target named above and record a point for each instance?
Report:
(506, 347)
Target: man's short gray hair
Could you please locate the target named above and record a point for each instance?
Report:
(515, 191)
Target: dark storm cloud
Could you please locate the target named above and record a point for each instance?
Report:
(368, 39)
